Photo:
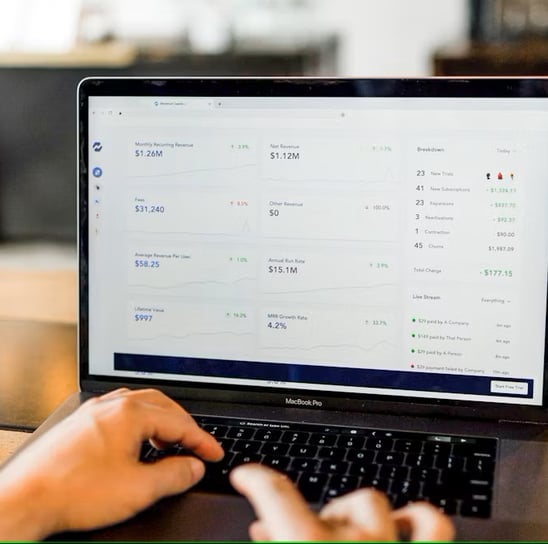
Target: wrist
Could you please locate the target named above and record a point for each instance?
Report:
(25, 510)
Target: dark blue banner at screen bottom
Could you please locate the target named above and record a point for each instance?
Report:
(326, 375)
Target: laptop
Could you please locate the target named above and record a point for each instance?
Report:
(355, 263)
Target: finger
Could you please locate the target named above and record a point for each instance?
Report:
(177, 426)
(151, 396)
(207, 448)
(366, 510)
(116, 393)
(169, 476)
(258, 533)
(422, 521)
(164, 422)
(281, 510)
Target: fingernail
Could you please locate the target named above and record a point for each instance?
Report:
(197, 468)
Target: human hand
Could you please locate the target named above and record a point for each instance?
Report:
(85, 472)
(362, 515)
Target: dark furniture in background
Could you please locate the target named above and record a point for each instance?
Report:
(38, 118)
(508, 20)
(493, 59)
(506, 38)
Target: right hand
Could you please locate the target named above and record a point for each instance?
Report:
(362, 515)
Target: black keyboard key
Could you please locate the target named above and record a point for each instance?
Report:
(312, 486)
(240, 432)
(267, 435)
(486, 449)
(423, 460)
(435, 491)
(389, 458)
(333, 454)
(226, 443)
(243, 458)
(393, 472)
(334, 492)
(347, 482)
(218, 431)
(382, 484)
(146, 452)
(278, 463)
(448, 506)
(340, 485)
(217, 472)
(333, 467)
(365, 456)
(300, 450)
(476, 509)
(427, 475)
(293, 475)
(476, 488)
(480, 465)
(406, 488)
(295, 437)
(350, 441)
(216, 483)
(454, 480)
(462, 485)
(322, 439)
(247, 446)
(437, 448)
(274, 448)
(366, 470)
(379, 444)
(154, 454)
(450, 462)
(408, 446)
(480, 497)
(305, 465)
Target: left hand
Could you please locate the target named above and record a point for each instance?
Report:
(85, 472)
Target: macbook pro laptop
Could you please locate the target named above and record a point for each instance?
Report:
(343, 279)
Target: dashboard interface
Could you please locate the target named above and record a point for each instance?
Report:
(362, 245)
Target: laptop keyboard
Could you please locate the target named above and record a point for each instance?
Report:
(455, 473)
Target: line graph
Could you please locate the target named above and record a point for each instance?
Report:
(191, 284)
(194, 171)
(327, 289)
(192, 335)
(333, 346)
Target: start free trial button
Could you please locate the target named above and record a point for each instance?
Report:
(509, 388)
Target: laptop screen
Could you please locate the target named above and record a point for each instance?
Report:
(319, 237)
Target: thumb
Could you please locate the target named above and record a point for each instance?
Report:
(171, 475)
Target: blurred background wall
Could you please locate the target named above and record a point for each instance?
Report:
(46, 47)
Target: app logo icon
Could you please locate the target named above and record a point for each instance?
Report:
(488, 176)
(500, 176)
(97, 172)
(97, 146)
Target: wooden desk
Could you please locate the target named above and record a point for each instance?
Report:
(10, 441)
(37, 371)
(37, 349)
(37, 343)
